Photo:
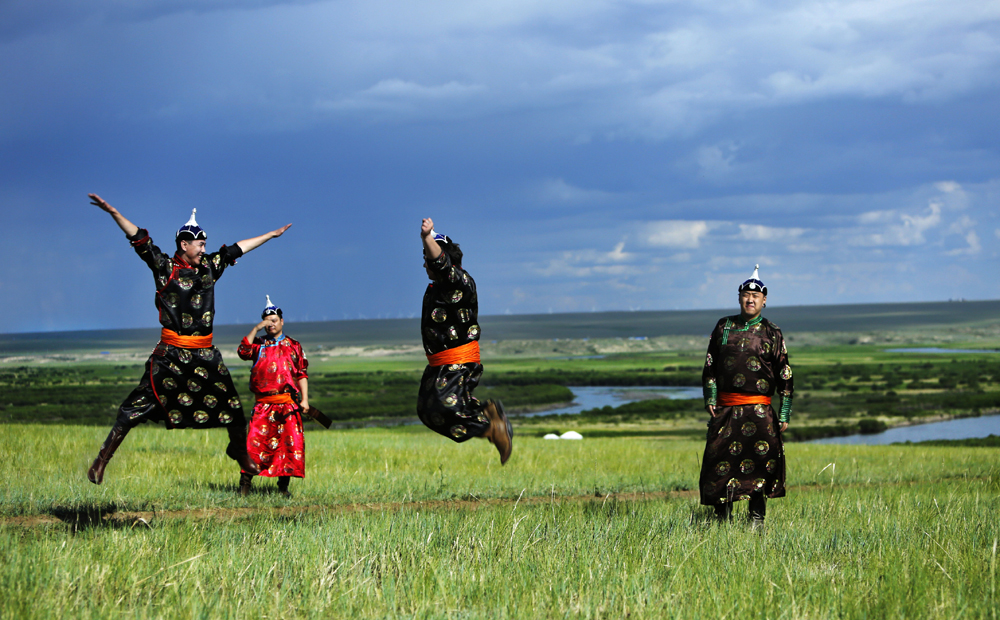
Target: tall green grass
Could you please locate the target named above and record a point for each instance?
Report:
(866, 531)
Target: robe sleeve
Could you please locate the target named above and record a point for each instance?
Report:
(301, 366)
(782, 376)
(248, 350)
(225, 257)
(709, 377)
(154, 258)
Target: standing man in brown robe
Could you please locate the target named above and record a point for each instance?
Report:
(746, 364)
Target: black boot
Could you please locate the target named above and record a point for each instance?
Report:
(245, 481)
(237, 449)
(96, 472)
(724, 512)
(758, 509)
(283, 485)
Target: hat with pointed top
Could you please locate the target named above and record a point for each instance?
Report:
(191, 230)
(754, 283)
(270, 309)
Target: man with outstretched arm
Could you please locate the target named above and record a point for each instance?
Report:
(746, 365)
(280, 384)
(185, 383)
(449, 325)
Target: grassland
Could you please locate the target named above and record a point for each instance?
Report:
(398, 522)
(403, 523)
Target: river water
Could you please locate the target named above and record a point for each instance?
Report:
(593, 397)
(964, 428)
(602, 396)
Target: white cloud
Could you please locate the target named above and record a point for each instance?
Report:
(757, 232)
(681, 234)
(903, 229)
(559, 191)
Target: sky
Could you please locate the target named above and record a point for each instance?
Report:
(588, 155)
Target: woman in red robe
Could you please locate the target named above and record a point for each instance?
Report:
(280, 384)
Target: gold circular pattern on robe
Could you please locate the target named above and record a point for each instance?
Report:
(762, 386)
(733, 483)
(225, 418)
(169, 384)
(186, 320)
(206, 354)
(482, 419)
(184, 399)
(439, 315)
(200, 417)
(201, 372)
(206, 319)
(735, 448)
(174, 368)
(463, 315)
(726, 432)
(753, 363)
(234, 403)
(758, 484)
(171, 299)
(786, 372)
(708, 359)
(771, 465)
(273, 443)
(452, 334)
(766, 347)
(219, 385)
(770, 430)
(222, 369)
(729, 363)
(739, 380)
(185, 283)
(761, 447)
(760, 410)
(175, 417)
(746, 466)
(458, 431)
(455, 297)
(184, 355)
(210, 401)
(206, 281)
(473, 332)
(193, 385)
(139, 402)
(450, 400)
(441, 383)
(195, 301)
(722, 468)
(748, 429)
(737, 412)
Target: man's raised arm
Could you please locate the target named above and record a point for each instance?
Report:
(249, 244)
(127, 227)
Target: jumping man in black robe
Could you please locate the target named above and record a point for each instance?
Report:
(185, 384)
(449, 324)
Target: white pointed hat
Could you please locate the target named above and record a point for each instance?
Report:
(754, 283)
(270, 309)
(191, 230)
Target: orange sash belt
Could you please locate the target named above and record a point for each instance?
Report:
(464, 354)
(275, 399)
(169, 336)
(734, 399)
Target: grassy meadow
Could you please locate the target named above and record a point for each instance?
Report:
(402, 523)
(394, 521)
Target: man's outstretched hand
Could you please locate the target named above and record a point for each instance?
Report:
(426, 226)
(100, 202)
